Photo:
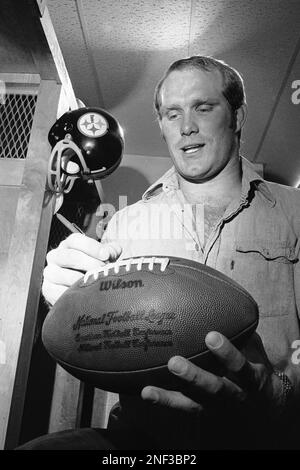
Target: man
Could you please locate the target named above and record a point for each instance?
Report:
(227, 216)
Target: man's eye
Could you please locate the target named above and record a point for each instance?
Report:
(172, 116)
(204, 108)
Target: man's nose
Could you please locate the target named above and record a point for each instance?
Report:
(189, 125)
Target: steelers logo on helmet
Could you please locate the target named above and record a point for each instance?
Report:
(92, 125)
(87, 143)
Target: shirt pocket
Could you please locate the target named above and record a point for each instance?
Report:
(265, 269)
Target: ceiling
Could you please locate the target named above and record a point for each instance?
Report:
(116, 51)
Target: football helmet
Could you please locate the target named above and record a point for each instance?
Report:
(86, 143)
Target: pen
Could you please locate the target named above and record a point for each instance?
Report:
(71, 226)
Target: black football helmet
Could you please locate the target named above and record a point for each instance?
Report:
(86, 143)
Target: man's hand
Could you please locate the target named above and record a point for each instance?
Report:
(71, 259)
(248, 386)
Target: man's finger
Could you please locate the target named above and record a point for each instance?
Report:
(195, 376)
(233, 360)
(201, 384)
(73, 259)
(61, 276)
(170, 399)
(91, 247)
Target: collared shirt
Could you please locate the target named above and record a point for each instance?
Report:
(256, 243)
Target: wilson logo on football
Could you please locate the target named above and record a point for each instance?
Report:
(120, 284)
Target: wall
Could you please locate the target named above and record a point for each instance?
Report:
(135, 174)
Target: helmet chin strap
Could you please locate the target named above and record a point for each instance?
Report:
(58, 181)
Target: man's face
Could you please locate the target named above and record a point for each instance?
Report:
(196, 122)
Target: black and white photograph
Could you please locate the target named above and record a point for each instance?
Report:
(149, 228)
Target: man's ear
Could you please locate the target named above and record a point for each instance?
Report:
(240, 117)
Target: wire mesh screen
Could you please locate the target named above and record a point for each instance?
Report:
(16, 116)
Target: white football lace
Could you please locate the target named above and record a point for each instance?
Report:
(139, 262)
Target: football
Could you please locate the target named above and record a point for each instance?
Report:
(117, 327)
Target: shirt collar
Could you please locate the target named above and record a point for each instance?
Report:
(169, 182)
(251, 177)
